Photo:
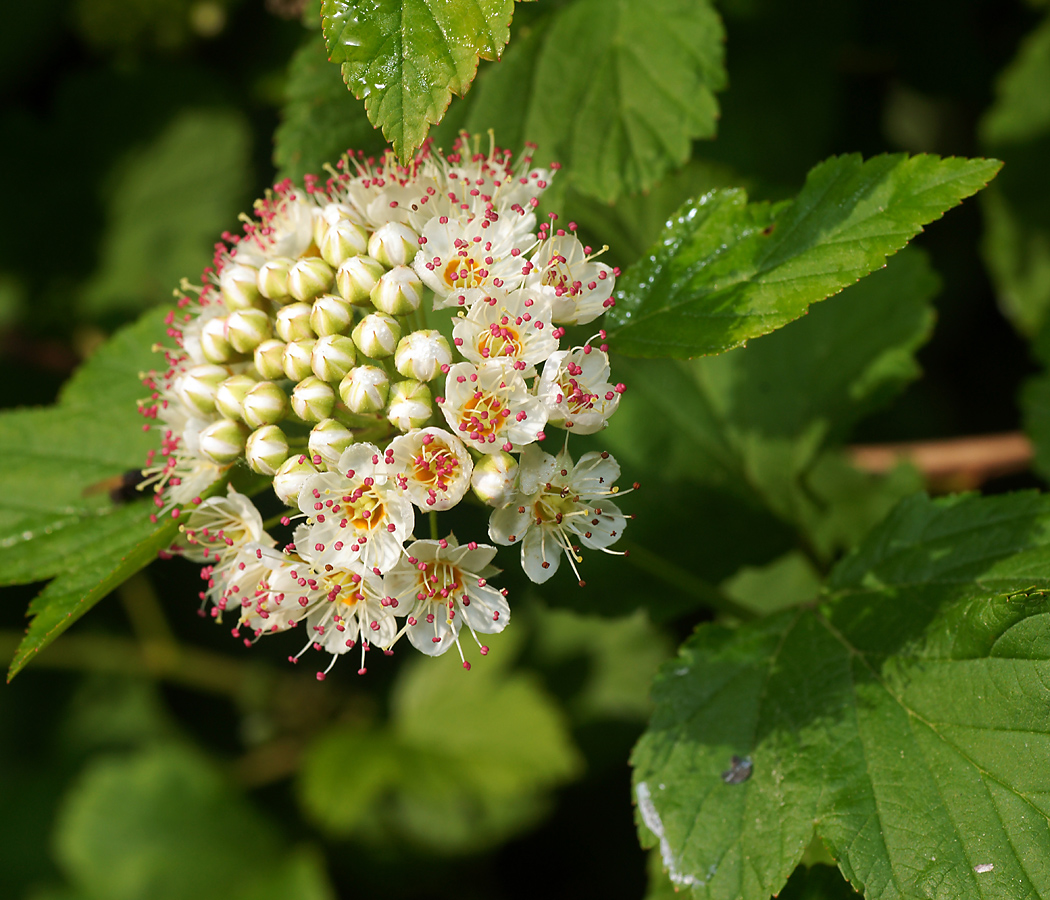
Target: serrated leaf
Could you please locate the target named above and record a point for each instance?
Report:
(405, 58)
(726, 270)
(767, 418)
(320, 120)
(903, 722)
(168, 202)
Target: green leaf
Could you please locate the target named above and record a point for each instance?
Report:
(726, 270)
(320, 120)
(51, 521)
(903, 722)
(466, 760)
(168, 203)
(1022, 104)
(766, 418)
(1035, 409)
(405, 58)
(159, 824)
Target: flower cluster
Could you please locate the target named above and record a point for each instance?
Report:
(315, 351)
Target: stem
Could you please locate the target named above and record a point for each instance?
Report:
(686, 581)
(433, 525)
(143, 608)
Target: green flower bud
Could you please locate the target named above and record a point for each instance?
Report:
(328, 439)
(365, 389)
(312, 400)
(229, 397)
(393, 244)
(333, 356)
(310, 277)
(376, 335)
(272, 280)
(247, 328)
(290, 476)
(269, 359)
(410, 405)
(356, 277)
(296, 360)
(331, 315)
(421, 355)
(214, 345)
(398, 292)
(342, 240)
(293, 322)
(240, 289)
(266, 449)
(198, 386)
(264, 404)
(223, 442)
(493, 478)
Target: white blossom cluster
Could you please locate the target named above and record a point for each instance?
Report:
(315, 353)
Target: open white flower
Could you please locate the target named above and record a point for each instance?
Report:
(433, 467)
(439, 586)
(575, 388)
(557, 504)
(579, 288)
(490, 408)
(456, 255)
(220, 526)
(514, 326)
(355, 513)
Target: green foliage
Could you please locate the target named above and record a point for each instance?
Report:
(764, 417)
(320, 120)
(726, 271)
(167, 205)
(163, 823)
(405, 58)
(897, 721)
(466, 760)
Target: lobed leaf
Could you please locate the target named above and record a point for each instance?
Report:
(727, 270)
(903, 722)
(405, 58)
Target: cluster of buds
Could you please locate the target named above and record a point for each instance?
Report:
(386, 342)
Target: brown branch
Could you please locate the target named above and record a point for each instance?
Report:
(952, 464)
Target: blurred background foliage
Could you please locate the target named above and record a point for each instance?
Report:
(147, 754)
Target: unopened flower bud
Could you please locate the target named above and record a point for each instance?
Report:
(272, 279)
(409, 405)
(328, 439)
(393, 244)
(342, 240)
(333, 356)
(290, 476)
(269, 359)
(309, 278)
(240, 289)
(328, 215)
(266, 449)
(377, 334)
(292, 322)
(398, 292)
(247, 328)
(296, 359)
(493, 478)
(356, 277)
(223, 442)
(264, 404)
(331, 315)
(365, 389)
(421, 355)
(198, 386)
(214, 345)
(231, 393)
(312, 399)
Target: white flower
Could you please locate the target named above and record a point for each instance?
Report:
(221, 525)
(432, 466)
(514, 326)
(489, 406)
(284, 594)
(355, 513)
(439, 586)
(455, 256)
(580, 289)
(385, 191)
(285, 229)
(575, 388)
(557, 504)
